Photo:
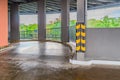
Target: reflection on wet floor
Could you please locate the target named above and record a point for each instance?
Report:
(38, 51)
(46, 61)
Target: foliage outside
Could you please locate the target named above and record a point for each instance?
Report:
(53, 30)
(105, 22)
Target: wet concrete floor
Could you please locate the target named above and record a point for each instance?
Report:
(47, 61)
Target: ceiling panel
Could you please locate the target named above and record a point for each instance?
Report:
(53, 6)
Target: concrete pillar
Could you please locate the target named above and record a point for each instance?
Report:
(81, 13)
(14, 19)
(65, 20)
(41, 20)
(3, 23)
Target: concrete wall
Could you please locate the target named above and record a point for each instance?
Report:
(3, 23)
(103, 44)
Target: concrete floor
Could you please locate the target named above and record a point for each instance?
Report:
(47, 61)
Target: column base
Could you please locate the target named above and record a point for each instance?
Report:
(80, 56)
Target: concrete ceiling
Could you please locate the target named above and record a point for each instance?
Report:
(53, 6)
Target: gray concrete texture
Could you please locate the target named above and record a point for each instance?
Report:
(65, 7)
(41, 20)
(81, 11)
(103, 44)
(14, 21)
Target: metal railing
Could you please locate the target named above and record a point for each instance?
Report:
(29, 34)
(72, 32)
(53, 34)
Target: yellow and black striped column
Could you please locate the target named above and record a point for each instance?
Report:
(80, 37)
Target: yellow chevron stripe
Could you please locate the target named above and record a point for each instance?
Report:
(77, 41)
(78, 34)
(78, 26)
(83, 41)
(83, 26)
(83, 48)
(78, 48)
(83, 34)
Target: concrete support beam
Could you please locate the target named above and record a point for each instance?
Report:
(41, 20)
(14, 18)
(65, 20)
(81, 13)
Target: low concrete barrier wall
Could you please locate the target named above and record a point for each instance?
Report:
(103, 44)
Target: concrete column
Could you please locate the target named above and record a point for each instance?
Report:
(81, 13)
(65, 20)
(41, 20)
(14, 19)
(3, 23)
